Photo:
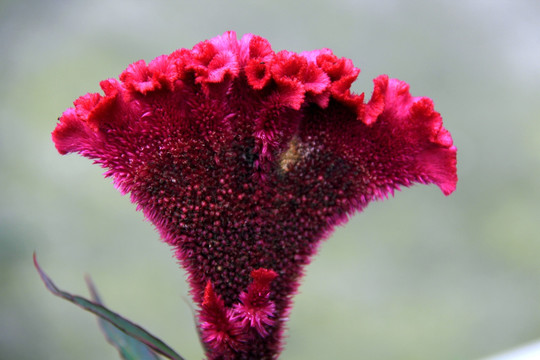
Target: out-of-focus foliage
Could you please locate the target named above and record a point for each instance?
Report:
(416, 277)
(131, 340)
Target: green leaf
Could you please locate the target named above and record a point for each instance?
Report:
(128, 347)
(124, 325)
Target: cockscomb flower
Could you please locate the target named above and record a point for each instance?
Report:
(245, 159)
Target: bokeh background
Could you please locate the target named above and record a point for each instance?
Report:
(418, 276)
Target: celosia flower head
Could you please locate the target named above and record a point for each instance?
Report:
(245, 159)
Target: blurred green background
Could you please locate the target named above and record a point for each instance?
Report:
(419, 276)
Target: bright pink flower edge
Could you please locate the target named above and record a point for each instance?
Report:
(219, 146)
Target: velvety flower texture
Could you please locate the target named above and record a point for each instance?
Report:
(244, 159)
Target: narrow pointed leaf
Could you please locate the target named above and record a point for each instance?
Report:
(119, 322)
(128, 347)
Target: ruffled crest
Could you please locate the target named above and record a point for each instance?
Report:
(245, 159)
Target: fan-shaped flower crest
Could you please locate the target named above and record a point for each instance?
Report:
(245, 159)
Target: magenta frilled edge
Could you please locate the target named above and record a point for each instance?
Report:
(245, 159)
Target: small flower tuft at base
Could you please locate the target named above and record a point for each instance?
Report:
(220, 333)
(255, 308)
